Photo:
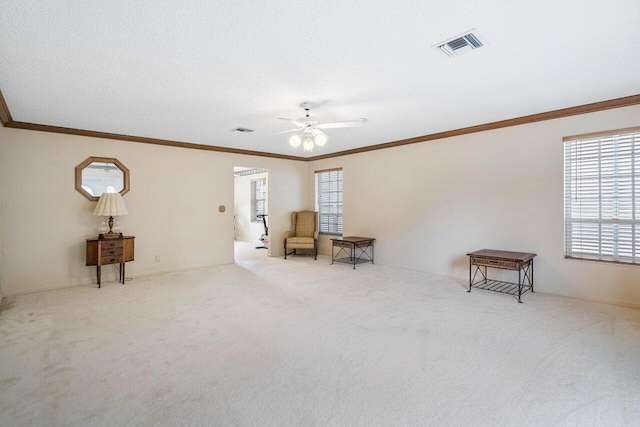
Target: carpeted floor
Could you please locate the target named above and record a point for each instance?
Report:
(300, 342)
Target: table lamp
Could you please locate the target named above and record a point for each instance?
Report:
(110, 204)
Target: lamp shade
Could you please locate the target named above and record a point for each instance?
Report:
(110, 204)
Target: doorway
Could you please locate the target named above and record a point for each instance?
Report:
(251, 213)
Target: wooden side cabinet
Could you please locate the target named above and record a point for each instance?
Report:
(110, 251)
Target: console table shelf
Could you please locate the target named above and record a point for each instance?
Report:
(502, 287)
(351, 260)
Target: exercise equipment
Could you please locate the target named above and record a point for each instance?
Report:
(265, 237)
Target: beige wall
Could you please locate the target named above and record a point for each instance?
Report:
(246, 230)
(173, 207)
(429, 204)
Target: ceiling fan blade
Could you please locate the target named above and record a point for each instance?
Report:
(293, 121)
(349, 124)
(317, 131)
(286, 131)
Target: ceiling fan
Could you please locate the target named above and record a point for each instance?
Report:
(310, 129)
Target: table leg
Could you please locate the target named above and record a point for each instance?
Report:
(531, 274)
(332, 256)
(99, 276)
(519, 282)
(470, 263)
(123, 267)
(372, 254)
(353, 255)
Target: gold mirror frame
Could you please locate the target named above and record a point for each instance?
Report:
(81, 166)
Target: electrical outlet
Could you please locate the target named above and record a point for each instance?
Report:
(157, 258)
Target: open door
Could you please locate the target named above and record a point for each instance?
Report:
(251, 216)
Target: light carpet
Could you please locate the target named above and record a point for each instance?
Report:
(301, 342)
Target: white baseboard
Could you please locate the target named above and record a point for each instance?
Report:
(611, 301)
(464, 281)
(111, 277)
(173, 270)
(44, 289)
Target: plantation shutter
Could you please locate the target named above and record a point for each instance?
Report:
(329, 201)
(601, 201)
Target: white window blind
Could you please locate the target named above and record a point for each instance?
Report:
(601, 201)
(329, 201)
(258, 199)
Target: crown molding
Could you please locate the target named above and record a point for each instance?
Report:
(549, 115)
(7, 121)
(144, 140)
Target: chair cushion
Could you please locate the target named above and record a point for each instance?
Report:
(306, 224)
(300, 243)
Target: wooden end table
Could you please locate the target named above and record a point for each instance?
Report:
(110, 251)
(520, 261)
(353, 243)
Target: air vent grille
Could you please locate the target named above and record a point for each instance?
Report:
(242, 130)
(460, 44)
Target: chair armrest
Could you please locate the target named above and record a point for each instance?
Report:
(288, 234)
(315, 235)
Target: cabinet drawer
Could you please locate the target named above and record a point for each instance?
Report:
(497, 263)
(112, 245)
(111, 259)
(343, 244)
(105, 252)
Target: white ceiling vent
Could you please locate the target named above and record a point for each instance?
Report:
(242, 130)
(465, 42)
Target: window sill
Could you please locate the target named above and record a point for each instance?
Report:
(330, 234)
(602, 261)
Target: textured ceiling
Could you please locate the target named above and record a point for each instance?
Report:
(193, 70)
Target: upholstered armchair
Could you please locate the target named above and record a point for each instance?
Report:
(304, 234)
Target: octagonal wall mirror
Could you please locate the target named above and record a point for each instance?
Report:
(98, 175)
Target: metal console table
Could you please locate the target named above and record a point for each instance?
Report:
(354, 244)
(520, 261)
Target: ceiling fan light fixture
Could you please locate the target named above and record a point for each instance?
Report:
(310, 130)
(295, 141)
(307, 145)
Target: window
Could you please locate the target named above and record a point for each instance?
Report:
(258, 199)
(329, 201)
(602, 207)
